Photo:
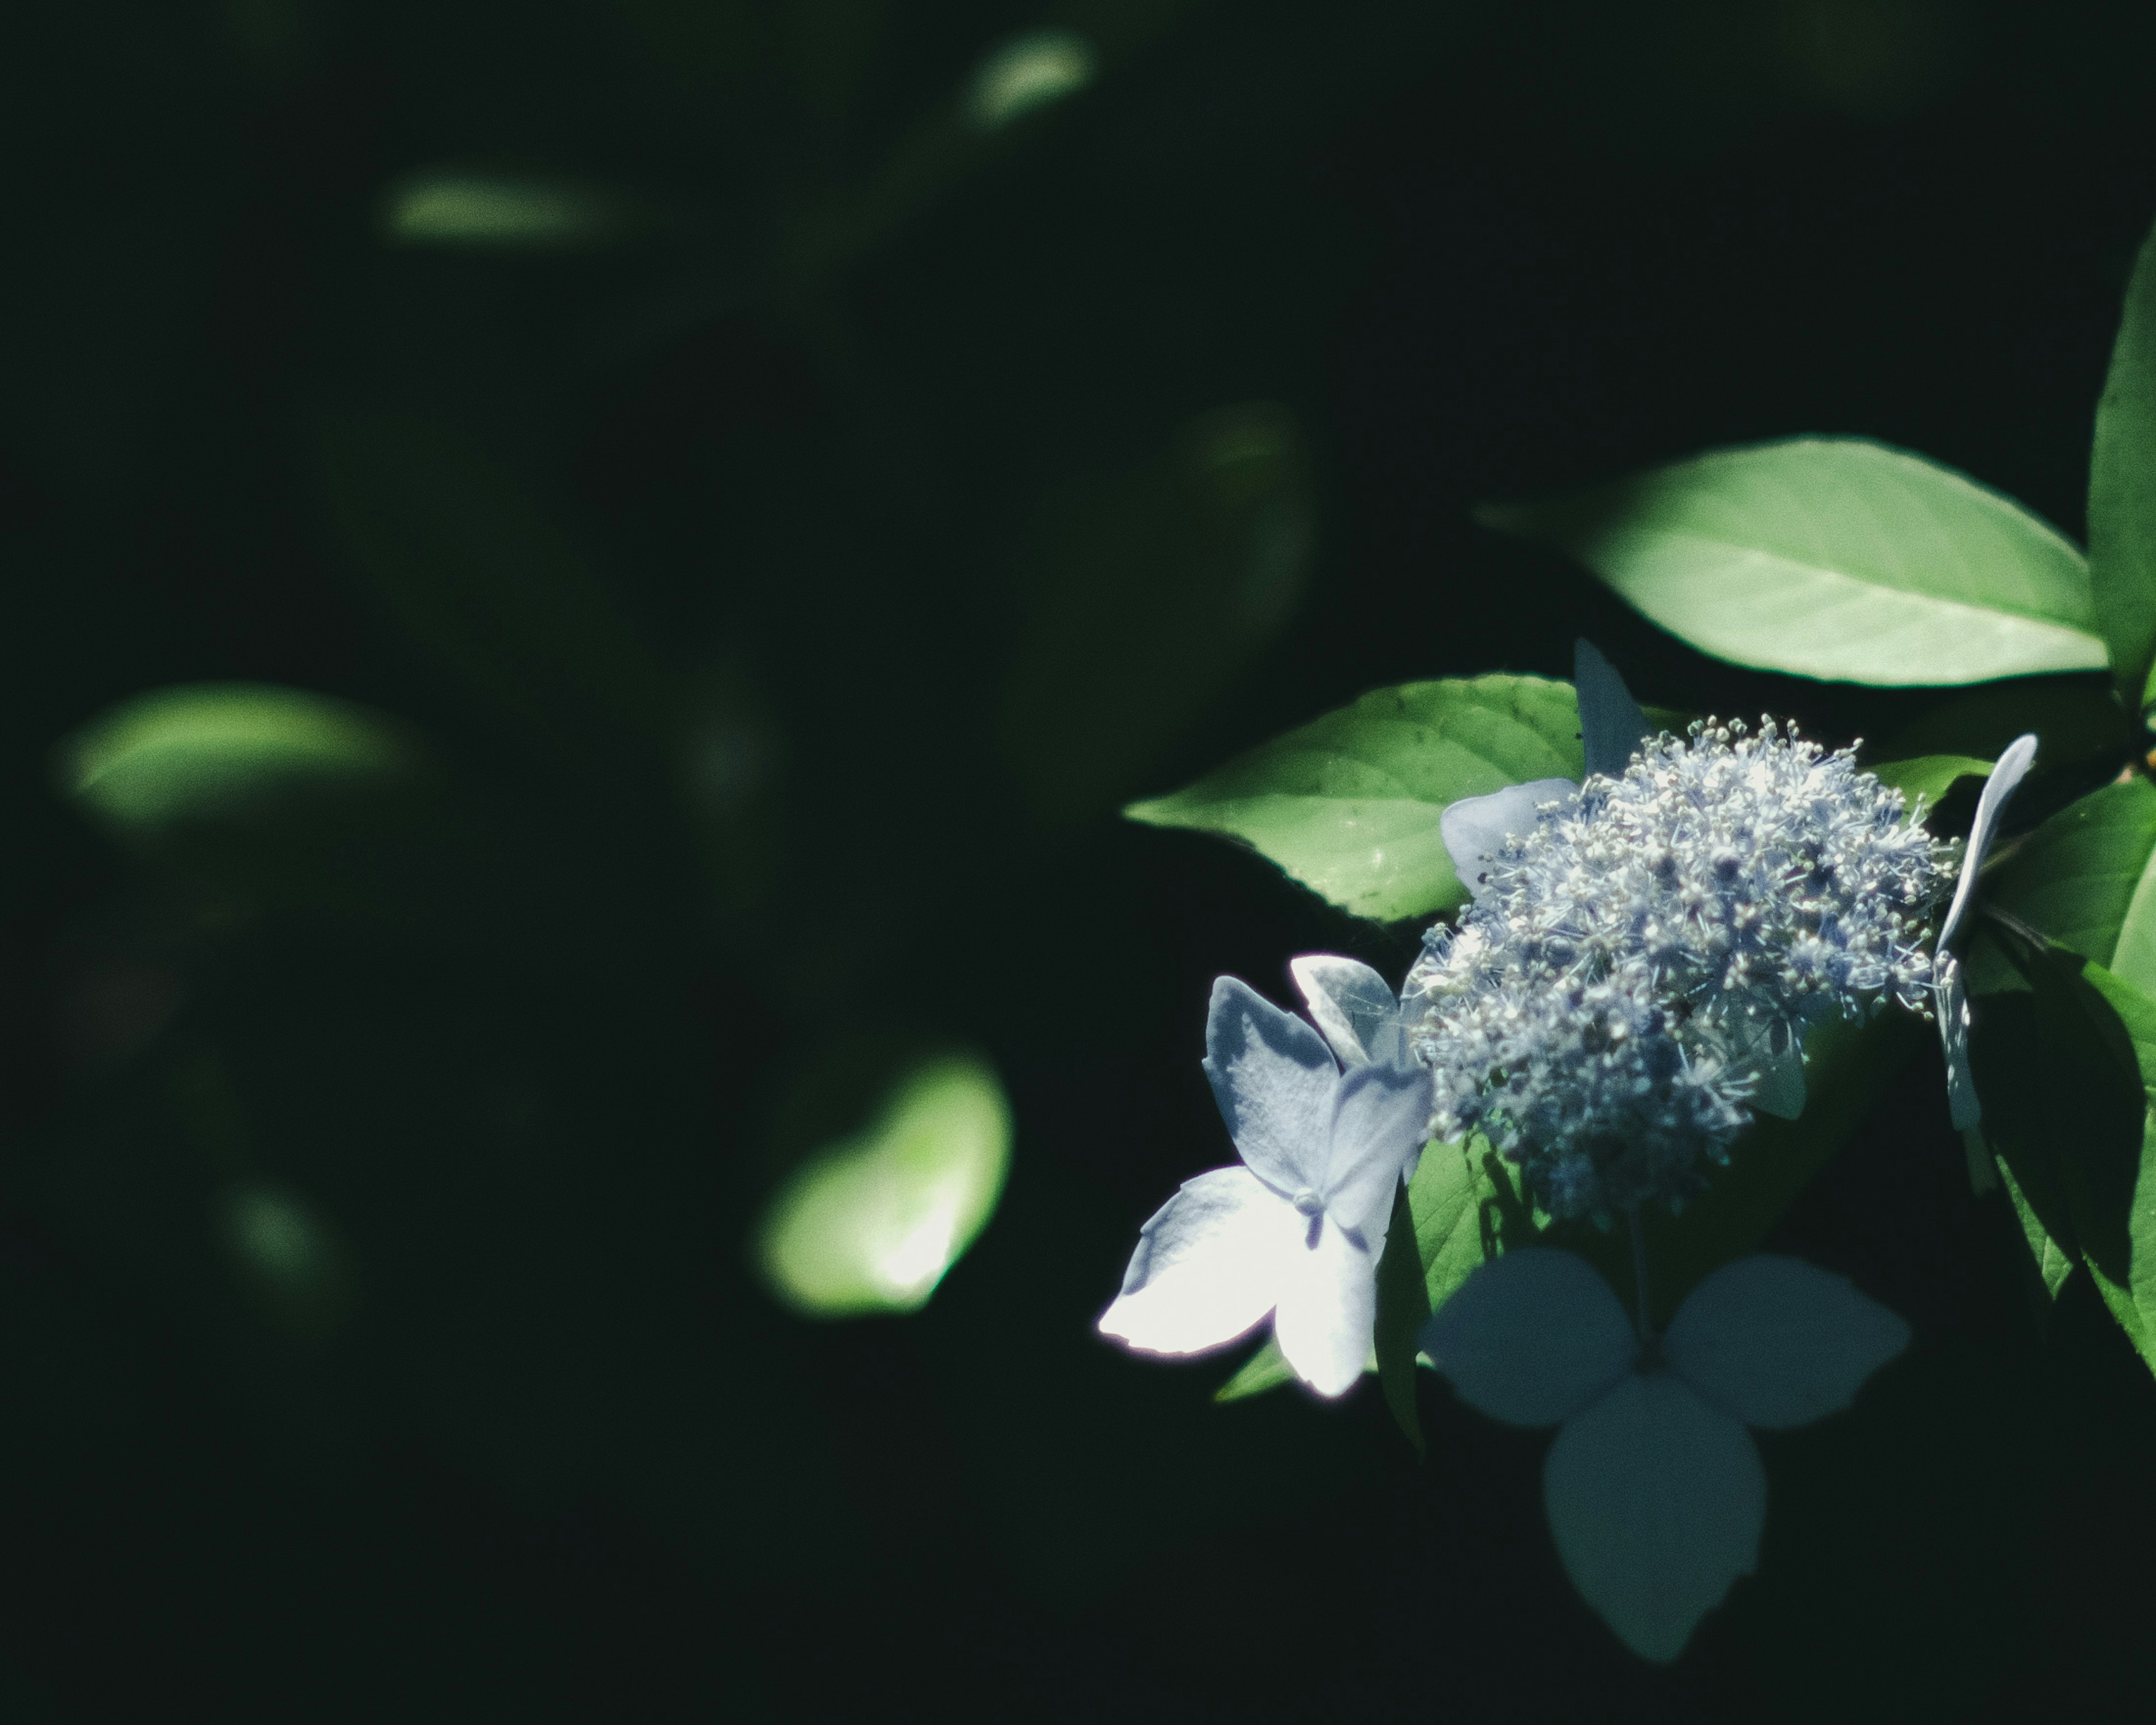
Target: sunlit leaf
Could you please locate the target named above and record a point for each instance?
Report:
(1832, 557)
(2121, 503)
(1349, 803)
(1148, 593)
(1030, 73)
(872, 1222)
(1266, 1369)
(207, 751)
(1929, 777)
(497, 212)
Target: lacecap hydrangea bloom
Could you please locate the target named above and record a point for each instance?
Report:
(1645, 955)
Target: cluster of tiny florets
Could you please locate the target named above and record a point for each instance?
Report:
(1602, 1012)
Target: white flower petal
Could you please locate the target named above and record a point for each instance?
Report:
(1381, 1119)
(1209, 1265)
(1777, 1342)
(1274, 1080)
(1611, 726)
(1354, 1007)
(1474, 828)
(2005, 778)
(1328, 1308)
(1963, 1109)
(1531, 1338)
(1655, 1501)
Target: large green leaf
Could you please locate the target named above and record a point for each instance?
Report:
(1348, 804)
(1833, 557)
(1929, 777)
(2121, 503)
(2068, 1070)
(2080, 879)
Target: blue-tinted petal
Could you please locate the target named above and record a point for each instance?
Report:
(1963, 1109)
(1328, 1307)
(1475, 828)
(1531, 1338)
(1777, 1342)
(2005, 778)
(1655, 1501)
(1354, 1007)
(1381, 1119)
(1611, 726)
(1274, 1080)
(1210, 1264)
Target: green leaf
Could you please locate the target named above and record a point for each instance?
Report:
(2121, 500)
(1266, 1369)
(479, 211)
(1348, 804)
(1929, 777)
(2080, 879)
(1403, 1309)
(872, 1222)
(2054, 1262)
(2077, 719)
(215, 751)
(1832, 557)
(2067, 1071)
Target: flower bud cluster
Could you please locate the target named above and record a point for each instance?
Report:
(1604, 1010)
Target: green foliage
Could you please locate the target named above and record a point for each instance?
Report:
(1348, 804)
(2067, 1070)
(1266, 1369)
(1929, 777)
(209, 751)
(2081, 878)
(871, 1222)
(1402, 1308)
(1832, 557)
(2121, 500)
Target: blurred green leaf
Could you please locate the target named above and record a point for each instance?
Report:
(1349, 803)
(1929, 777)
(872, 1222)
(1266, 1369)
(2080, 879)
(1030, 72)
(291, 1256)
(478, 573)
(2075, 719)
(481, 211)
(1832, 557)
(1148, 596)
(215, 751)
(2122, 502)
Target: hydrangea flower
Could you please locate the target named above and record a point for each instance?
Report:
(1295, 1229)
(1953, 1010)
(1642, 961)
(1654, 1488)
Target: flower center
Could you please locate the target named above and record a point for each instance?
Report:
(1309, 1202)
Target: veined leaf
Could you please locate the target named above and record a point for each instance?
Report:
(1833, 557)
(1348, 804)
(2122, 502)
(1929, 777)
(2079, 878)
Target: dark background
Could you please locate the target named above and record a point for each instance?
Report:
(788, 585)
